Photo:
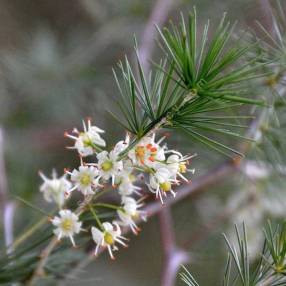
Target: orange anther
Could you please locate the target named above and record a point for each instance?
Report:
(149, 146)
(151, 159)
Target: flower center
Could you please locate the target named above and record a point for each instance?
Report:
(182, 167)
(85, 139)
(132, 178)
(134, 215)
(140, 153)
(107, 165)
(108, 238)
(85, 179)
(67, 224)
(166, 186)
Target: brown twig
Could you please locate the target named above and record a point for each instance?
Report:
(198, 185)
(173, 256)
(39, 272)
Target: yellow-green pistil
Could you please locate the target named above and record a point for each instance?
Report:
(66, 224)
(108, 238)
(166, 186)
(85, 139)
(106, 165)
(182, 167)
(85, 180)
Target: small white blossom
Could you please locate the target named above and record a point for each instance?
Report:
(86, 142)
(108, 165)
(125, 183)
(129, 213)
(107, 237)
(147, 152)
(67, 225)
(122, 145)
(161, 182)
(55, 189)
(177, 165)
(126, 188)
(85, 179)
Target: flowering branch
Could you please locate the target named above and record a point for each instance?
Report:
(195, 81)
(197, 186)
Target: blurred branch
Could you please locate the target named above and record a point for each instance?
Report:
(106, 35)
(173, 256)
(267, 11)
(203, 232)
(7, 207)
(40, 272)
(158, 16)
(3, 179)
(198, 186)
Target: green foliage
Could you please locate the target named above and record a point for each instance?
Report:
(187, 277)
(274, 41)
(18, 264)
(276, 244)
(268, 270)
(209, 69)
(272, 141)
(194, 89)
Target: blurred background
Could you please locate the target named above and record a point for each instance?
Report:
(56, 60)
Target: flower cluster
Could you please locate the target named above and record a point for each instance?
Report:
(121, 167)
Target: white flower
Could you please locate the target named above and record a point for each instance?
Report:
(129, 213)
(122, 145)
(107, 237)
(125, 183)
(161, 182)
(108, 165)
(85, 179)
(55, 189)
(126, 188)
(67, 225)
(86, 142)
(177, 165)
(147, 152)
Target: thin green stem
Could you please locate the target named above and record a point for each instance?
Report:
(96, 217)
(30, 231)
(109, 206)
(35, 208)
(96, 147)
(99, 194)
